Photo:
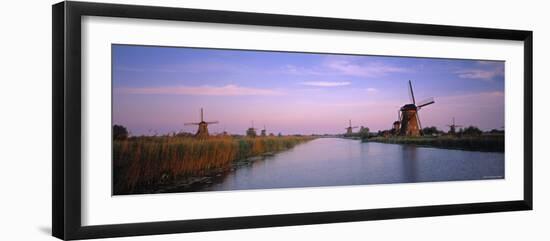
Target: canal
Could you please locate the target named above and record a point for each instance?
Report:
(336, 161)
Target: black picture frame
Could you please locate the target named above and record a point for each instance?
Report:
(66, 75)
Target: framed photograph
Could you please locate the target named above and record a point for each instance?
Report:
(169, 120)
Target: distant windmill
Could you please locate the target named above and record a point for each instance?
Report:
(263, 133)
(349, 129)
(453, 127)
(251, 132)
(396, 124)
(410, 121)
(202, 132)
(224, 133)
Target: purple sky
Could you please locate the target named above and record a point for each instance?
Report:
(157, 89)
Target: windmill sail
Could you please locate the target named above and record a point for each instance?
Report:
(411, 93)
(426, 102)
(202, 131)
(349, 129)
(409, 120)
(453, 126)
(419, 123)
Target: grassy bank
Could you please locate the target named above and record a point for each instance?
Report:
(492, 143)
(142, 163)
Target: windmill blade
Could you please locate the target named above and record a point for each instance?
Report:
(191, 123)
(426, 102)
(411, 93)
(419, 123)
(355, 127)
(212, 122)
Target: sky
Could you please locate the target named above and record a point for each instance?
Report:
(158, 89)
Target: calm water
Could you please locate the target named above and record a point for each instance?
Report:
(334, 161)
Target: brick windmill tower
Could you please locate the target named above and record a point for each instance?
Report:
(453, 127)
(410, 122)
(349, 129)
(202, 131)
(251, 132)
(263, 132)
(396, 126)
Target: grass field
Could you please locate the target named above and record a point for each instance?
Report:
(492, 143)
(141, 163)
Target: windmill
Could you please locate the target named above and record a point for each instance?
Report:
(410, 122)
(224, 133)
(251, 132)
(396, 124)
(349, 129)
(453, 127)
(263, 132)
(202, 132)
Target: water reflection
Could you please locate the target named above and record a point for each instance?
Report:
(334, 161)
(409, 160)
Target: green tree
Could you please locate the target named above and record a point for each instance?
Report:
(364, 132)
(495, 131)
(471, 131)
(120, 132)
(432, 130)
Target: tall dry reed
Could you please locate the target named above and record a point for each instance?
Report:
(143, 162)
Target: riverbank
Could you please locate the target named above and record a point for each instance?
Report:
(195, 183)
(153, 164)
(487, 143)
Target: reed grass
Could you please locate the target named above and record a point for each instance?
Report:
(143, 162)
